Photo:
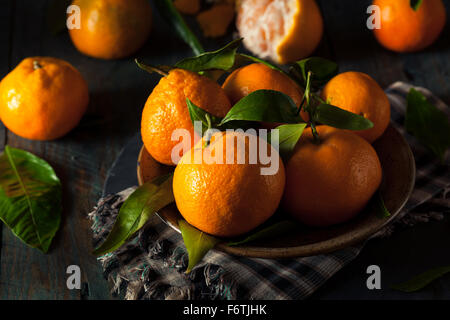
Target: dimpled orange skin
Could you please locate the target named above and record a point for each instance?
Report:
(43, 98)
(257, 76)
(166, 110)
(226, 200)
(111, 29)
(358, 93)
(330, 182)
(405, 30)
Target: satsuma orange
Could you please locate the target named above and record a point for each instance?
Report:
(229, 198)
(43, 98)
(330, 181)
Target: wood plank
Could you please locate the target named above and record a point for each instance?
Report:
(26, 273)
(6, 14)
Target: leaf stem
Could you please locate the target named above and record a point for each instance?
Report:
(150, 68)
(315, 133)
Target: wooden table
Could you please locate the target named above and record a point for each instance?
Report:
(118, 91)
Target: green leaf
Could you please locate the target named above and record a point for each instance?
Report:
(30, 197)
(198, 114)
(222, 59)
(272, 231)
(415, 4)
(377, 206)
(339, 118)
(241, 59)
(266, 106)
(422, 280)
(322, 70)
(427, 123)
(173, 17)
(162, 70)
(136, 210)
(289, 134)
(197, 243)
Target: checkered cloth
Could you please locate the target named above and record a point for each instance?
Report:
(152, 265)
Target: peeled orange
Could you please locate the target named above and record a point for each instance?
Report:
(281, 30)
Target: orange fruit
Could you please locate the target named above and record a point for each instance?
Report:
(331, 181)
(214, 22)
(166, 110)
(111, 29)
(358, 93)
(258, 76)
(227, 199)
(405, 30)
(282, 30)
(43, 98)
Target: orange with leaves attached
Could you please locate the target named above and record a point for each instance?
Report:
(166, 110)
(258, 76)
(357, 92)
(219, 195)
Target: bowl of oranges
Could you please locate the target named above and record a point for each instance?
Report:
(291, 163)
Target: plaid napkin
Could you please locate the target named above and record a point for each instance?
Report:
(152, 265)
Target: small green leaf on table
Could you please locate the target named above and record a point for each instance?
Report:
(197, 243)
(340, 118)
(137, 210)
(30, 197)
(422, 280)
(271, 231)
(427, 123)
(173, 17)
(264, 106)
(222, 59)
